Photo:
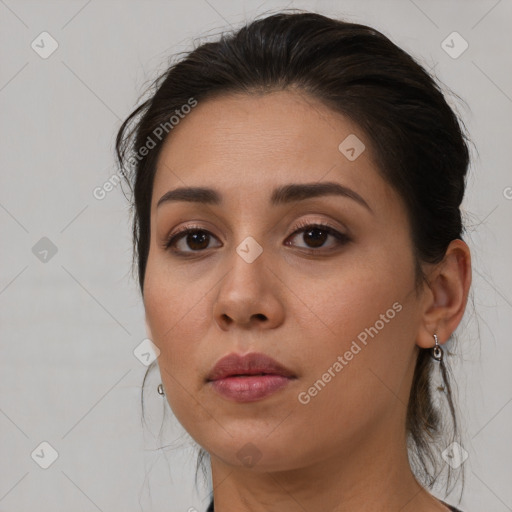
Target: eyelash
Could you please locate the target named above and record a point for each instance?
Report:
(341, 238)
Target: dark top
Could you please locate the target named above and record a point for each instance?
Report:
(453, 509)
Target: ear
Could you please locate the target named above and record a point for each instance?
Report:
(446, 295)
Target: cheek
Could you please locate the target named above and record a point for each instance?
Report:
(358, 342)
(178, 314)
(351, 386)
(172, 301)
(354, 303)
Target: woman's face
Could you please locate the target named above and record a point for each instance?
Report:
(337, 308)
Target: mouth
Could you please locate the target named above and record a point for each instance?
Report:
(248, 378)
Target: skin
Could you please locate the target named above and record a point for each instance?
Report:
(345, 449)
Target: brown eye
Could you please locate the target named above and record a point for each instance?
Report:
(193, 238)
(315, 236)
(197, 240)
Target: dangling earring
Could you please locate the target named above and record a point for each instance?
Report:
(436, 351)
(160, 390)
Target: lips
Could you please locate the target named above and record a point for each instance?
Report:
(248, 378)
(235, 365)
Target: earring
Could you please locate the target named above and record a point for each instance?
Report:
(160, 390)
(436, 351)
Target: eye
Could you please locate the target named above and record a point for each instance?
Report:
(195, 237)
(315, 235)
(198, 239)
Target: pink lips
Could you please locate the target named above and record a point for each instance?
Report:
(248, 378)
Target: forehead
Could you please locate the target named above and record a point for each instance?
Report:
(247, 144)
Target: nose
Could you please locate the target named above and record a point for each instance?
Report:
(250, 295)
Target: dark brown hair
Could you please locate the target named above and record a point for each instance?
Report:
(417, 139)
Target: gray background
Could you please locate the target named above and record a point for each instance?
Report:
(70, 323)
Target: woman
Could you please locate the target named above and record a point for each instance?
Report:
(296, 193)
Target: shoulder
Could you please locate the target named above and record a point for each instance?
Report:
(452, 509)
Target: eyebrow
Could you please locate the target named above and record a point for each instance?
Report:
(281, 195)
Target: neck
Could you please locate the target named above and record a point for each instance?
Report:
(373, 476)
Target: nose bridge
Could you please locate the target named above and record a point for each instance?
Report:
(248, 266)
(248, 291)
(249, 233)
